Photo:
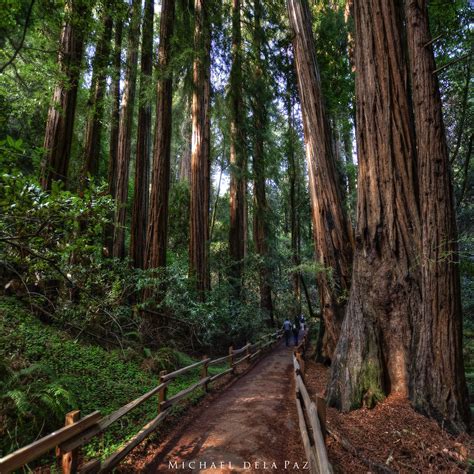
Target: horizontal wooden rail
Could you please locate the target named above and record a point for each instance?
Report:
(221, 374)
(182, 371)
(69, 438)
(184, 393)
(34, 450)
(104, 423)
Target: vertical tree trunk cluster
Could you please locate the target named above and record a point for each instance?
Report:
(402, 331)
(260, 124)
(200, 154)
(60, 121)
(438, 381)
(125, 131)
(142, 158)
(96, 98)
(331, 228)
(157, 235)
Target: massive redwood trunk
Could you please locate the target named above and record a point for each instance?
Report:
(438, 381)
(237, 230)
(200, 155)
(60, 121)
(331, 229)
(157, 234)
(125, 131)
(260, 124)
(142, 158)
(373, 355)
(96, 97)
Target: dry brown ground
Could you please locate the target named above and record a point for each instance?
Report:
(392, 436)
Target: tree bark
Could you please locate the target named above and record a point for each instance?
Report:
(61, 113)
(114, 125)
(332, 232)
(157, 235)
(237, 230)
(96, 97)
(260, 125)
(373, 355)
(438, 381)
(142, 159)
(200, 155)
(125, 131)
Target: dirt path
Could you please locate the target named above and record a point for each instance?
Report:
(252, 426)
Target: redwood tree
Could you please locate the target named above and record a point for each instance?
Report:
(200, 155)
(125, 131)
(259, 102)
(142, 158)
(237, 230)
(157, 233)
(331, 228)
(61, 113)
(97, 92)
(438, 385)
(374, 352)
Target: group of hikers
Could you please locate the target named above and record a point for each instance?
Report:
(293, 329)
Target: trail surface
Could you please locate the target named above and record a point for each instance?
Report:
(252, 426)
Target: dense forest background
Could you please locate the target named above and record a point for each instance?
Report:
(155, 193)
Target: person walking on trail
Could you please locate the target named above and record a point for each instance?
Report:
(296, 331)
(287, 329)
(302, 321)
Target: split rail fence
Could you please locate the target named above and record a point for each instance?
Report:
(77, 432)
(311, 416)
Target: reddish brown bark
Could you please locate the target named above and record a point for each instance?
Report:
(61, 114)
(200, 155)
(142, 160)
(332, 232)
(373, 355)
(237, 230)
(438, 381)
(96, 97)
(260, 123)
(157, 233)
(125, 132)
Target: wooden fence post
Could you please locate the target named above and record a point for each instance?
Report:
(69, 460)
(204, 373)
(321, 408)
(163, 392)
(231, 359)
(248, 350)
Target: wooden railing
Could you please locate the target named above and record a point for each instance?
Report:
(77, 432)
(311, 416)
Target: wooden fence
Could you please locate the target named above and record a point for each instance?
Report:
(311, 416)
(77, 432)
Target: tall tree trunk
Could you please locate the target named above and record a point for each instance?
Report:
(157, 236)
(142, 159)
(114, 124)
(438, 385)
(293, 177)
(260, 123)
(184, 173)
(96, 97)
(331, 229)
(61, 113)
(200, 156)
(237, 228)
(373, 354)
(125, 131)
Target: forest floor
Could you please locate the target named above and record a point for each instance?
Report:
(251, 422)
(392, 437)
